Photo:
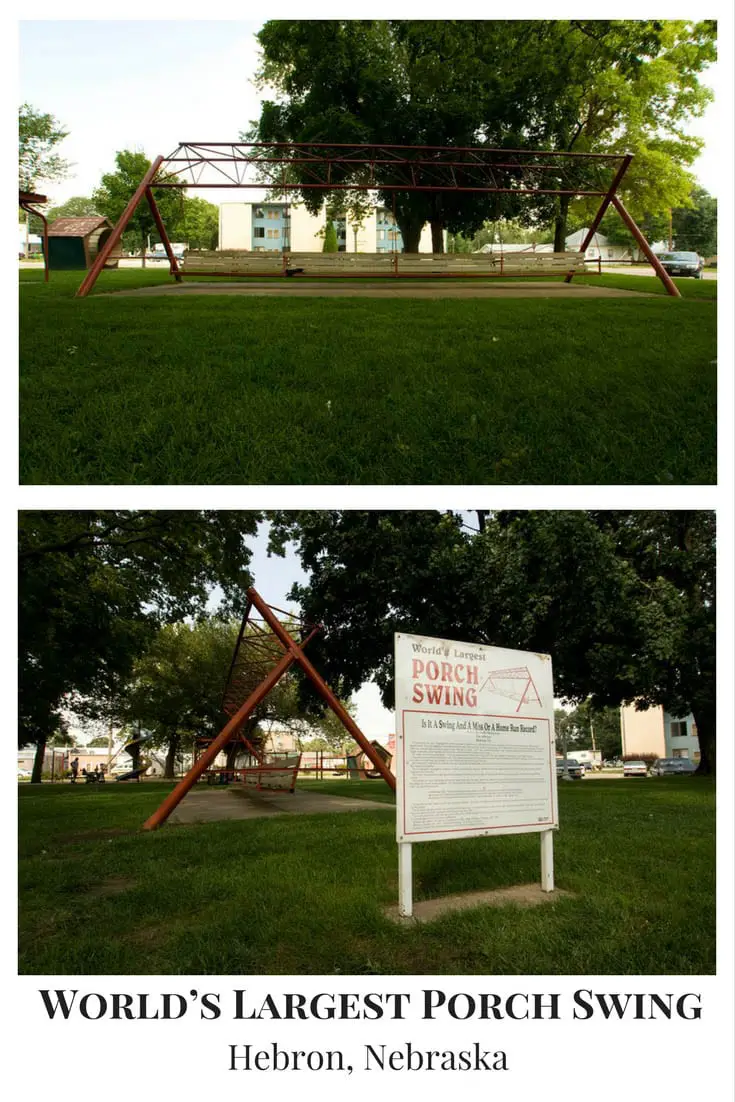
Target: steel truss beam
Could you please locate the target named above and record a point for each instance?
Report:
(291, 652)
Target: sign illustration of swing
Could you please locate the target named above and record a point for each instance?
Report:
(474, 748)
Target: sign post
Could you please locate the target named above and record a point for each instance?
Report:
(475, 751)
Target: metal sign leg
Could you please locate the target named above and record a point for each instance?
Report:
(405, 880)
(547, 860)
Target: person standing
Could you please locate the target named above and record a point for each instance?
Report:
(74, 770)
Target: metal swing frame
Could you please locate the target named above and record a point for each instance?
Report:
(244, 692)
(323, 166)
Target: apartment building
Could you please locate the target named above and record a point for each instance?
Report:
(656, 732)
(282, 226)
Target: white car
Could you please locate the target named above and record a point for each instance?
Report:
(635, 769)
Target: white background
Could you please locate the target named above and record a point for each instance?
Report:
(605, 1061)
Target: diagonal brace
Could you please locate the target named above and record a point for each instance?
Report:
(102, 257)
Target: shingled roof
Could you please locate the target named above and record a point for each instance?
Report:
(76, 227)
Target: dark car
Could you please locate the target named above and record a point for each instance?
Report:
(666, 766)
(570, 766)
(682, 264)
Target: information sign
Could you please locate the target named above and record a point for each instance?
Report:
(474, 742)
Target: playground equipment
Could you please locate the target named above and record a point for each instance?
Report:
(132, 748)
(358, 768)
(264, 651)
(324, 167)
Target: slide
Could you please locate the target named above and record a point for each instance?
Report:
(135, 774)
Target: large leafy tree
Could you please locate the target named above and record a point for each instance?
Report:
(567, 85)
(95, 586)
(624, 602)
(394, 82)
(118, 187)
(39, 134)
(614, 86)
(199, 226)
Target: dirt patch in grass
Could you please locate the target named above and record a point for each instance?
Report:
(520, 895)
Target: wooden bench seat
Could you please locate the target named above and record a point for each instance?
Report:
(279, 775)
(231, 262)
(408, 265)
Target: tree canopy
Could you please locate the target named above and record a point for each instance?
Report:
(117, 188)
(579, 85)
(95, 586)
(624, 602)
(39, 134)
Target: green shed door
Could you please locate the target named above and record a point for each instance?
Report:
(66, 253)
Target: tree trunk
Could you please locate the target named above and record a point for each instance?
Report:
(437, 235)
(410, 232)
(38, 762)
(144, 250)
(560, 224)
(704, 717)
(170, 765)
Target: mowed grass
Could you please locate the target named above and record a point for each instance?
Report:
(240, 390)
(305, 895)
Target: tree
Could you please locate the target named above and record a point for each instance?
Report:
(565, 85)
(330, 238)
(397, 81)
(620, 86)
(117, 188)
(94, 587)
(77, 207)
(695, 227)
(624, 602)
(199, 226)
(586, 728)
(39, 134)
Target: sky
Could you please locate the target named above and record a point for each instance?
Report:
(150, 85)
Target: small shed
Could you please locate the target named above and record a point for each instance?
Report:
(75, 242)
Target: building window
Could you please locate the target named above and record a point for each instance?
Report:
(258, 212)
(680, 753)
(273, 233)
(381, 235)
(679, 728)
(258, 231)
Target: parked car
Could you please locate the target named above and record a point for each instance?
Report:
(24, 774)
(682, 264)
(635, 769)
(570, 766)
(666, 766)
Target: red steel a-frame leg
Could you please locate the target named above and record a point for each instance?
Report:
(103, 255)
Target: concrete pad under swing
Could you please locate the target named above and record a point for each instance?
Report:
(211, 804)
(518, 895)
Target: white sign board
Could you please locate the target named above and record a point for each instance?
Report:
(474, 740)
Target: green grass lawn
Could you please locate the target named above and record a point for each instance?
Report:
(305, 895)
(230, 390)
